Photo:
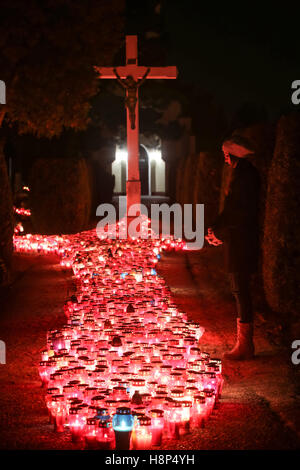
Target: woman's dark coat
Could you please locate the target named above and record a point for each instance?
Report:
(237, 224)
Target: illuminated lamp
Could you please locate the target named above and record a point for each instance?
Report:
(155, 155)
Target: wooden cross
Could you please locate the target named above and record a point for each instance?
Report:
(138, 73)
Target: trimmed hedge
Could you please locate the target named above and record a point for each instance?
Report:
(6, 222)
(179, 180)
(187, 180)
(281, 251)
(206, 184)
(198, 182)
(101, 183)
(60, 195)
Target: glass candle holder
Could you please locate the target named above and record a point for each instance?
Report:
(212, 382)
(137, 385)
(142, 436)
(50, 393)
(102, 414)
(163, 376)
(89, 393)
(46, 369)
(123, 422)
(76, 424)
(186, 413)
(112, 405)
(91, 433)
(59, 412)
(98, 401)
(106, 435)
(177, 394)
(173, 419)
(119, 393)
(199, 410)
(210, 400)
(157, 426)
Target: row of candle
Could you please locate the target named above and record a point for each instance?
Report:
(127, 362)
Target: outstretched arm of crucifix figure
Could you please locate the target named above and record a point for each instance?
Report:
(142, 80)
(119, 79)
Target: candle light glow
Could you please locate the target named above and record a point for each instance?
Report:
(123, 337)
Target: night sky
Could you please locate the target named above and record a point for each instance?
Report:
(241, 54)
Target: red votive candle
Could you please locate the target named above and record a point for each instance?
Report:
(106, 435)
(142, 436)
(91, 433)
(157, 426)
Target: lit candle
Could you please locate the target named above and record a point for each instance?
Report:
(91, 433)
(199, 410)
(76, 424)
(157, 426)
(106, 435)
(142, 438)
(123, 422)
(50, 393)
(124, 334)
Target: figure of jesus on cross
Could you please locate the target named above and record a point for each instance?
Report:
(131, 86)
(131, 77)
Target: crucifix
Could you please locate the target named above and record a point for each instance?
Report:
(131, 77)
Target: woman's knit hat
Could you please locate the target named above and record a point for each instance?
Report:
(238, 146)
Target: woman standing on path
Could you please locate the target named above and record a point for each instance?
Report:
(237, 227)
